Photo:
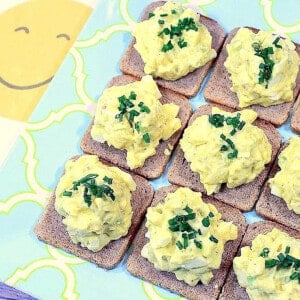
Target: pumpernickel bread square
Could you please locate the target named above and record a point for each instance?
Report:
(51, 230)
(154, 165)
(218, 90)
(273, 207)
(142, 268)
(232, 290)
(189, 85)
(242, 197)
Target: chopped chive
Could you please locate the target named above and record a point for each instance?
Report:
(275, 42)
(213, 239)
(146, 137)
(163, 15)
(287, 249)
(198, 244)
(67, 193)
(173, 11)
(188, 210)
(107, 179)
(280, 256)
(182, 43)
(224, 148)
(179, 245)
(144, 108)
(295, 275)
(132, 114)
(151, 14)
(199, 231)
(191, 216)
(211, 214)
(132, 95)
(161, 22)
(270, 263)
(167, 47)
(233, 132)
(185, 240)
(205, 222)
(265, 252)
(137, 126)
(192, 235)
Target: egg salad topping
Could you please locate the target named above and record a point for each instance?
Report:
(172, 42)
(131, 117)
(270, 268)
(186, 236)
(286, 183)
(262, 67)
(226, 148)
(94, 201)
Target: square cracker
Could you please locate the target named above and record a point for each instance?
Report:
(275, 208)
(142, 268)
(188, 85)
(154, 165)
(51, 230)
(218, 90)
(232, 290)
(242, 197)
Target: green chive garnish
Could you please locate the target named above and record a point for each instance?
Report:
(173, 11)
(265, 252)
(287, 249)
(167, 47)
(198, 244)
(179, 245)
(275, 42)
(151, 14)
(205, 222)
(67, 193)
(270, 263)
(107, 179)
(211, 214)
(161, 22)
(164, 15)
(146, 138)
(213, 239)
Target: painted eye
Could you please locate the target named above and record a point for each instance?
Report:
(24, 28)
(63, 35)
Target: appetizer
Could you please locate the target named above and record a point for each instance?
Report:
(221, 148)
(95, 211)
(280, 199)
(187, 243)
(175, 45)
(136, 125)
(259, 70)
(267, 266)
(173, 42)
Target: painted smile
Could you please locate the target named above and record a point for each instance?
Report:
(24, 87)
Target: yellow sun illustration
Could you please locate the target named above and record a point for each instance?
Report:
(35, 36)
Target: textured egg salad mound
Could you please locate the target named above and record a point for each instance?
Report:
(262, 67)
(286, 183)
(186, 236)
(226, 148)
(172, 42)
(94, 201)
(131, 117)
(270, 268)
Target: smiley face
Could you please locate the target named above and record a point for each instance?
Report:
(35, 36)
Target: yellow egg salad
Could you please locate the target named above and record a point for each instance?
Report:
(286, 183)
(262, 67)
(226, 148)
(270, 268)
(186, 236)
(94, 201)
(131, 117)
(172, 42)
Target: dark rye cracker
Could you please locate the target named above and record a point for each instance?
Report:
(51, 230)
(242, 197)
(142, 268)
(273, 207)
(154, 165)
(295, 120)
(218, 90)
(189, 85)
(232, 290)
